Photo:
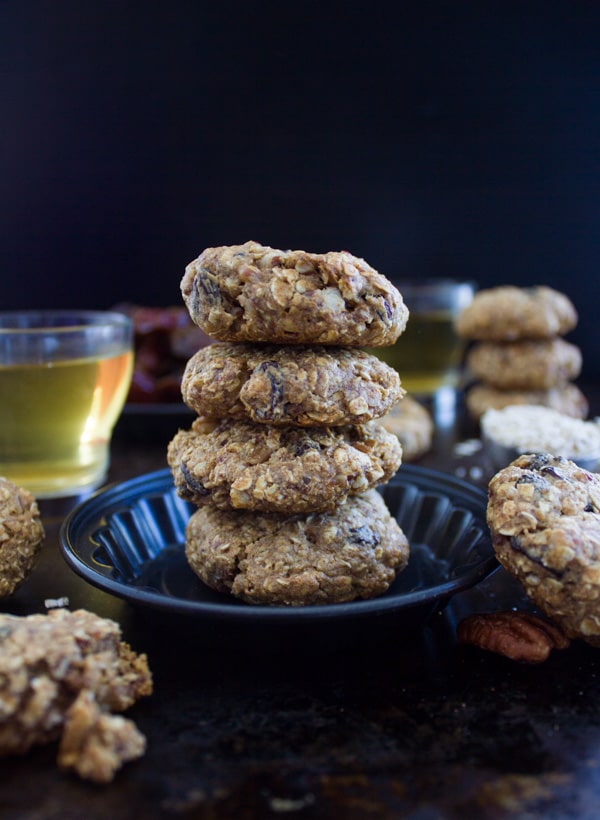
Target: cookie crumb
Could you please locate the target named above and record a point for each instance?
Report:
(468, 447)
(56, 603)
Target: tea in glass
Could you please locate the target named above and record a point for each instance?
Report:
(64, 378)
(428, 355)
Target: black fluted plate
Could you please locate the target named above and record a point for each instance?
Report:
(128, 540)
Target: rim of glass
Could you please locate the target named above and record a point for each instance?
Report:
(59, 321)
(436, 283)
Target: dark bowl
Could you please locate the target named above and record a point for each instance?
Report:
(128, 540)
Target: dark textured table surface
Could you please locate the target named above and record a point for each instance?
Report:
(383, 720)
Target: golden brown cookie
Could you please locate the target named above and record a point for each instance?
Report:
(242, 465)
(298, 385)
(253, 293)
(354, 552)
(413, 424)
(566, 398)
(21, 535)
(526, 364)
(507, 313)
(544, 517)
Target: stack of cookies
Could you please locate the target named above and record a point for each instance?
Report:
(518, 354)
(285, 454)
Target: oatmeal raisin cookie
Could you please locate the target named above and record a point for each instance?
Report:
(303, 386)
(507, 313)
(544, 518)
(527, 364)
(254, 293)
(413, 424)
(354, 552)
(242, 465)
(566, 398)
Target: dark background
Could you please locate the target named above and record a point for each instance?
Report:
(431, 138)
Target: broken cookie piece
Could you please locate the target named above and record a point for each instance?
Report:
(95, 744)
(62, 674)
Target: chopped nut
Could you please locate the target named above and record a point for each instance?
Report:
(519, 636)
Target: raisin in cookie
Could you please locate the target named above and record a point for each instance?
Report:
(526, 364)
(253, 293)
(413, 424)
(507, 313)
(21, 535)
(354, 552)
(544, 517)
(242, 465)
(566, 398)
(303, 386)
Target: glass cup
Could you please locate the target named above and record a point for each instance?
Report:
(429, 355)
(64, 378)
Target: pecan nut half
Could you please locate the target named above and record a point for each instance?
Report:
(520, 636)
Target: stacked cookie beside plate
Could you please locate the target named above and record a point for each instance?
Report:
(518, 354)
(285, 454)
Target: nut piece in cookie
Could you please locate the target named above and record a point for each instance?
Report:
(254, 293)
(297, 385)
(21, 535)
(413, 424)
(507, 313)
(544, 517)
(241, 465)
(68, 671)
(354, 552)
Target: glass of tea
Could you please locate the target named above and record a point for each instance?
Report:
(64, 378)
(428, 355)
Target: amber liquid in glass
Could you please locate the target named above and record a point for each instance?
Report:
(428, 355)
(56, 420)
